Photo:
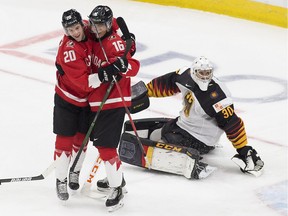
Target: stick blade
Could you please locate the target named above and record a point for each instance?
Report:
(122, 25)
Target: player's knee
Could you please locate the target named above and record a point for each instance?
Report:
(64, 143)
(107, 153)
(78, 139)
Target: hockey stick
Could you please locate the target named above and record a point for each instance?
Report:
(86, 188)
(42, 176)
(86, 139)
(88, 183)
(122, 25)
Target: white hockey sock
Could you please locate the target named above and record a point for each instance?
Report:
(62, 165)
(114, 171)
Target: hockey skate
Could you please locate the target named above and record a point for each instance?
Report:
(74, 180)
(61, 188)
(202, 170)
(115, 199)
(103, 185)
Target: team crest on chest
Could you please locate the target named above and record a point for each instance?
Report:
(112, 37)
(213, 95)
(70, 43)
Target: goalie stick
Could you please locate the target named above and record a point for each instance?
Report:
(42, 176)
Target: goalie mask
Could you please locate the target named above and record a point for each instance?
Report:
(202, 72)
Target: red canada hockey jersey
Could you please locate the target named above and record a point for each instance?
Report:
(114, 47)
(74, 59)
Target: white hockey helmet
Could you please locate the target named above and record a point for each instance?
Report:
(202, 72)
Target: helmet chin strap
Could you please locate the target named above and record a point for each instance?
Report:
(202, 85)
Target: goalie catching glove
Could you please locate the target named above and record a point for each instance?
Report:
(248, 161)
(115, 69)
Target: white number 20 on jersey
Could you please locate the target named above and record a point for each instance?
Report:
(69, 56)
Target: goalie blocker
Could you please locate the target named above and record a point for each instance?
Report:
(162, 156)
(139, 98)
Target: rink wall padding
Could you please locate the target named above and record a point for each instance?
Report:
(244, 9)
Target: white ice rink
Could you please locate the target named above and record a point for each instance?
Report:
(250, 57)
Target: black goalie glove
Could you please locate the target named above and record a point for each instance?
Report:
(115, 69)
(248, 161)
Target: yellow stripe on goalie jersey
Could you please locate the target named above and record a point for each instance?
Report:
(239, 141)
(155, 92)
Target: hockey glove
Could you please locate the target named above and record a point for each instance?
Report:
(133, 46)
(248, 161)
(115, 69)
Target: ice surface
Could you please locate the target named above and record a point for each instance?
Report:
(250, 57)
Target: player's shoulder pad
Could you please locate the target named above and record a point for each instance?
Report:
(182, 70)
(185, 78)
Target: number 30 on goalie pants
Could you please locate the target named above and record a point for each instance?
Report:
(162, 157)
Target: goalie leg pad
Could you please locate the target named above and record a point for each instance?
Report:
(162, 157)
(172, 162)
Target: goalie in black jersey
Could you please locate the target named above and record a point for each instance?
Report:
(175, 145)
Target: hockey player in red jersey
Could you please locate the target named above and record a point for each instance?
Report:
(207, 113)
(71, 108)
(109, 63)
(115, 28)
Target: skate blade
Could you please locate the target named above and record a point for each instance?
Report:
(98, 194)
(101, 190)
(116, 207)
